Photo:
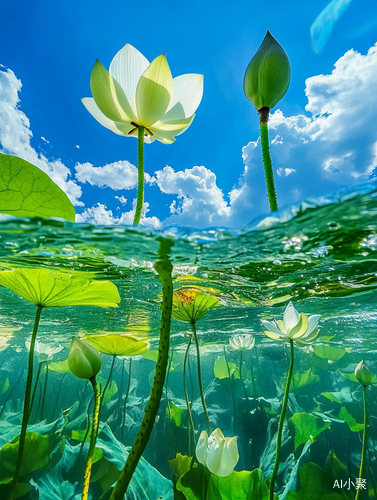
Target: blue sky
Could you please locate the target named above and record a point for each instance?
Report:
(323, 132)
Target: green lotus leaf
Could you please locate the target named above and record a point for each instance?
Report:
(47, 288)
(117, 344)
(307, 426)
(26, 191)
(191, 304)
(329, 352)
(59, 366)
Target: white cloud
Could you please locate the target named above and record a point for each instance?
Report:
(98, 214)
(122, 199)
(45, 140)
(118, 175)
(200, 202)
(15, 135)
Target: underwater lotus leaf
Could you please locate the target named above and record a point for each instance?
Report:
(223, 369)
(26, 191)
(191, 304)
(37, 454)
(59, 366)
(307, 426)
(117, 344)
(350, 420)
(47, 288)
(329, 352)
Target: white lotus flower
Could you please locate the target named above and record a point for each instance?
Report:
(137, 93)
(218, 453)
(242, 342)
(295, 326)
(44, 351)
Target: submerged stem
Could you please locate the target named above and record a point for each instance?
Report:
(93, 437)
(281, 423)
(140, 174)
(26, 413)
(232, 391)
(191, 422)
(164, 269)
(364, 440)
(44, 391)
(271, 192)
(193, 326)
(126, 398)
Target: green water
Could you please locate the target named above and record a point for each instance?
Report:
(322, 256)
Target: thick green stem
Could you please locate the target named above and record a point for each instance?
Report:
(191, 422)
(126, 399)
(271, 192)
(361, 472)
(164, 269)
(44, 391)
(193, 326)
(93, 437)
(281, 423)
(140, 174)
(26, 413)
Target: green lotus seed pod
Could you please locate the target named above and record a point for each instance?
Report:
(363, 374)
(268, 74)
(83, 360)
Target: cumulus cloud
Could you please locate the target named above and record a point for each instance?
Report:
(199, 202)
(15, 135)
(99, 214)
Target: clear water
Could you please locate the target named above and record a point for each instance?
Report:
(321, 255)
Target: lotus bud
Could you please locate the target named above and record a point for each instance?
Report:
(83, 360)
(268, 74)
(218, 453)
(363, 374)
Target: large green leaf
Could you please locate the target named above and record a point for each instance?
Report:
(329, 352)
(220, 368)
(117, 344)
(303, 379)
(307, 426)
(199, 484)
(26, 191)
(56, 289)
(191, 304)
(315, 484)
(350, 420)
(37, 454)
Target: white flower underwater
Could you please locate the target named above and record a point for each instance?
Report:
(44, 349)
(242, 342)
(295, 326)
(218, 453)
(136, 93)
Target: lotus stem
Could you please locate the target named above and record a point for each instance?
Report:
(35, 388)
(164, 269)
(361, 472)
(252, 377)
(93, 437)
(44, 391)
(233, 398)
(140, 174)
(241, 377)
(193, 326)
(281, 422)
(271, 192)
(26, 412)
(166, 385)
(190, 422)
(57, 396)
(108, 381)
(126, 398)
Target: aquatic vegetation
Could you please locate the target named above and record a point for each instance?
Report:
(138, 98)
(295, 328)
(364, 376)
(191, 304)
(217, 453)
(164, 269)
(85, 362)
(243, 343)
(45, 288)
(265, 82)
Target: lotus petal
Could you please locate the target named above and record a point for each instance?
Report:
(118, 128)
(188, 92)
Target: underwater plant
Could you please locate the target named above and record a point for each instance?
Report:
(295, 328)
(364, 376)
(141, 99)
(85, 362)
(45, 288)
(265, 82)
(164, 270)
(189, 305)
(218, 453)
(243, 342)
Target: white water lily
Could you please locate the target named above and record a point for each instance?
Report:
(135, 93)
(242, 342)
(295, 326)
(218, 453)
(45, 351)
